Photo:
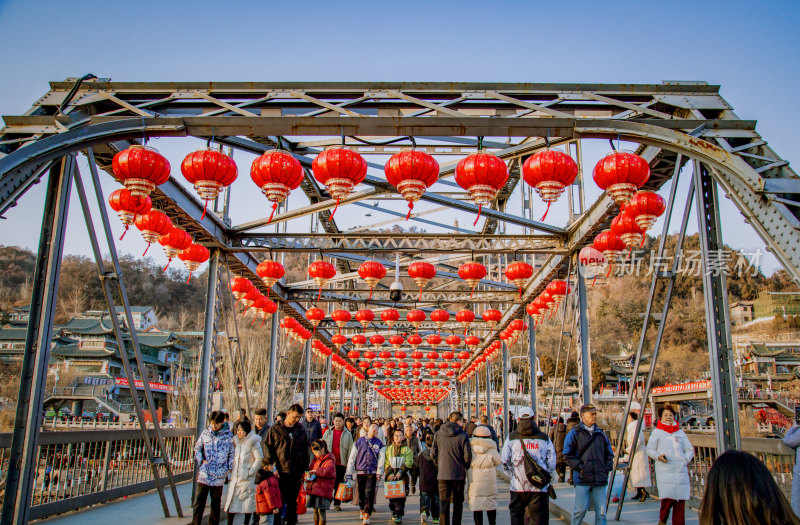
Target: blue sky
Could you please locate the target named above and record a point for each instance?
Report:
(750, 49)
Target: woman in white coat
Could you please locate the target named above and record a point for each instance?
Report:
(483, 476)
(640, 469)
(671, 450)
(246, 462)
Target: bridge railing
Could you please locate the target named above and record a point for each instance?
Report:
(76, 469)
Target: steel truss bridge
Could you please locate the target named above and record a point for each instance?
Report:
(674, 123)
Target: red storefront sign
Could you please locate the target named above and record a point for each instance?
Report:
(683, 387)
(155, 387)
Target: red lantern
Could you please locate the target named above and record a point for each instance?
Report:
(414, 340)
(371, 272)
(411, 172)
(193, 256)
(453, 341)
(518, 274)
(174, 243)
(434, 340)
(315, 316)
(625, 226)
(277, 173)
(359, 340)
(376, 341)
(465, 317)
(209, 171)
(482, 175)
(592, 262)
(128, 206)
(609, 244)
(421, 272)
(152, 225)
(558, 290)
(339, 170)
(415, 317)
(472, 273)
(341, 317)
(270, 272)
(645, 207)
(390, 316)
(339, 341)
(492, 317)
(518, 325)
(472, 343)
(440, 317)
(240, 286)
(322, 272)
(140, 169)
(620, 174)
(264, 308)
(549, 172)
(396, 341)
(365, 317)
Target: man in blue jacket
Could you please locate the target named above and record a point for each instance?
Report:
(588, 452)
(363, 462)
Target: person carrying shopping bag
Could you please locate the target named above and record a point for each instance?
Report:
(320, 481)
(394, 466)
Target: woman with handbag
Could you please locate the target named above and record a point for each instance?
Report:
(483, 476)
(321, 481)
(394, 466)
(246, 462)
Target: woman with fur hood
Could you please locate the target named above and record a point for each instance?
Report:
(483, 476)
(246, 462)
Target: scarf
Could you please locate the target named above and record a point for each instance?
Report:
(670, 429)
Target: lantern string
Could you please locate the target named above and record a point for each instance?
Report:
(205, 207)
(334, 209)
(546, 211)
(410, 207)
(124, 232)
(190, 278)
(145, 250)
(168, 261)
(480, 206)
(274, 207)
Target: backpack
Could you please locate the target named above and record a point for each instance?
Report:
(537, 476)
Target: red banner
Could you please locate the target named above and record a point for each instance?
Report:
(683, 387)
(155, 387)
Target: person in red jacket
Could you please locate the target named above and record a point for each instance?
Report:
(268, 492)
(320, 481)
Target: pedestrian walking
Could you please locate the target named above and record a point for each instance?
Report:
(321, 482)
(428, 484)
(557, 436)
(740, 489)
(572, 421)
(287, 449)
(524, 496)
(671, 450)
(483, 476)
(247, 460)
(339, 441)
(590, 457)
(394, 464)
(260, 425)
(411, 440)
(452, 454)
(485, 422)
(363, 463)
(312, 427)
(639, 470)
(792, 440)
(268, 493)
(214, 452)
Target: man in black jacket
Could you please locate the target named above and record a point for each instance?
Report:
(287, 447)
(557, 436)
(588, 453)
(452, 455)
(311, 426)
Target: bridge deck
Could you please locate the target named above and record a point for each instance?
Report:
(146, 510)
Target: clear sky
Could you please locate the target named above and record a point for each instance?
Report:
(751, 49)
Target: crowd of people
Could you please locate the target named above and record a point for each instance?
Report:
(302, 463)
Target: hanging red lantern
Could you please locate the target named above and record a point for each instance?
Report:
(533, 310)
(140, 169)
(558, 290)
(390, 316)
(209, 171)
(250, 298)
(240, 286)
(264, 308)
(365, 317)
(270, 272)
(277, 173)
(399, 354)
(339, 340)
(415, 317)
(492, 317)
(128, 206)
(434, 340)
(193, 256)
(383, 354)
(152, 225)
(610, 245)
(518, 325)
(593, 262)
(549, 172)
(371, 272)
(440, 317)
(518, 273)
(465, 317)
(453, 341)
(174, 243)
(341, 317)
(322, 272)
(411, 172)
(620, 174)
(645, 207)
(396, 341)
(472, 343)
(421, 272)
(482, 175)
(472, 273)
(315, 316)
(625, 226)
(359, 340)
(414, 340)
(339, 170)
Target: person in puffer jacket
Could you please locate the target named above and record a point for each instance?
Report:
(247, 459)
(214, 452)
(523, 494)
(589, 454)
(363, 463)
(482, 476)
(268, 492)
(396, 461)
(322, 482)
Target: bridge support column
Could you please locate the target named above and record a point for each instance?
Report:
(532, 364)
(505, 390)
(327, 408)
(273, 366)
(307, 375)
(586, 356)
